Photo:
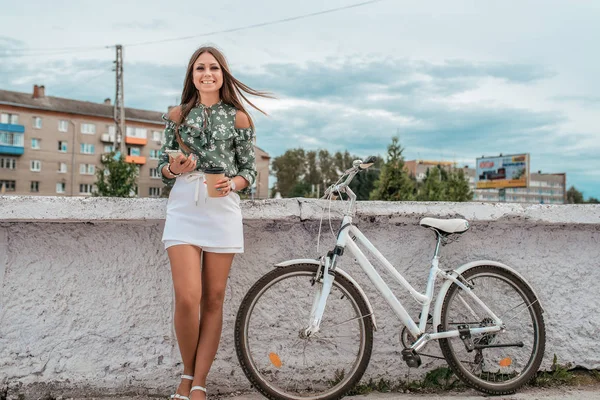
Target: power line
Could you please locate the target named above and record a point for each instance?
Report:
(259, 25)
(79, 49)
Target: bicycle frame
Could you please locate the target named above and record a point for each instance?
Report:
(350, 231)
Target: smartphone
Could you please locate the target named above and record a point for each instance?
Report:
(173, 154)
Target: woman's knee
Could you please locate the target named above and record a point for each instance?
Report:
(213, 302)
(187, 302)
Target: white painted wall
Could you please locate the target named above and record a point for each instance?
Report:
(86, 298)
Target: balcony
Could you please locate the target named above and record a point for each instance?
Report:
(136, 160)
(107, 138)
(136, 140)
(12, 139)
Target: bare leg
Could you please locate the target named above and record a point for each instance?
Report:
(215, 271)
(187, 281)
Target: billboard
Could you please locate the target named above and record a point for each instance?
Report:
(511, 171)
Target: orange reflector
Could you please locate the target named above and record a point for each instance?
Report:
(505, 362)
(275, 360)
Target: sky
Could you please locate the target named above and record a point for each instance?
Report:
(455, 80)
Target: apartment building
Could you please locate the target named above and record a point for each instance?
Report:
(544, 188)
(52, 146)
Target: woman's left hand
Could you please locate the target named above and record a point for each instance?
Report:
(224, 186)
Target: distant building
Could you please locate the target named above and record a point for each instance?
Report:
(418, 168)
(543, 188)
(52, 146)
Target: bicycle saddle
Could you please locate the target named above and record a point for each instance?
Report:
(446, 225)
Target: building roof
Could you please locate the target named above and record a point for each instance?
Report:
(260, 152)
(59, 104)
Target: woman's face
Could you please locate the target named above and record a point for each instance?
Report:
(207, 75)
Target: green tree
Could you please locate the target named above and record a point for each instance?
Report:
(457, 186)
(394, 184)
(364, 182)
(116, 178)
(593, 200)
(574, 196)
(329, 173)
(288, 169)
(433, 187)
(313, 173)
(344, 160)
(301, 189)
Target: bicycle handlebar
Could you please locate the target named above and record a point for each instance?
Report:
(357, 166)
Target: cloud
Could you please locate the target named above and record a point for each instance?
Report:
(352, 77)
(584, 100)
(154, 24)
(358, 104)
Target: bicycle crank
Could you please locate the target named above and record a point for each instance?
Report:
(412, 359)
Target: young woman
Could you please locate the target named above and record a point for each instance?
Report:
(202, 234)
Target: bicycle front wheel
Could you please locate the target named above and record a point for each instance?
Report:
(273, 350)
(500, 362)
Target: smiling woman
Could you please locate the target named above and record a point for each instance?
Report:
(208, 155)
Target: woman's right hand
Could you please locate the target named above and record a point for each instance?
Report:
(183, 164)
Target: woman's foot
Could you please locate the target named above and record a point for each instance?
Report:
(184, 386)
(198, 393)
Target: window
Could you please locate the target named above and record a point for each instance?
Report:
(87, 169)
(108, 148)
(134, 151)
(9, 186)
(154, 173)
(112, 130)
(154, 192)
(35, 144)
(155, 154)
(36, 165)
(11, 139)
(8, 163)
(85, 188)
(62, 168)
(37, 122)
(141, 133)
(60, 187)
(87, 148)
(35, 187)
(6, 118)
(62, 146)
(156, 136)
(88, 129)
(63, 125)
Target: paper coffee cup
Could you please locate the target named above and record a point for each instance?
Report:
(212, 175)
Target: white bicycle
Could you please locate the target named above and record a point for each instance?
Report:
(305, 329)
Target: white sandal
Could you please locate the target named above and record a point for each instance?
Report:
(197, 388)
(180, 396)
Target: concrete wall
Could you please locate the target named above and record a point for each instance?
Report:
(86, 298)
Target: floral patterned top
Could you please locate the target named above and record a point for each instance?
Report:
(210, 132)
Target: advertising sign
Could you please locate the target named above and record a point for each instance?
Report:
(500, 172)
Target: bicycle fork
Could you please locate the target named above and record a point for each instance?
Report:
(321, 295)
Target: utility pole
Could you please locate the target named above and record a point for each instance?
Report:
(119, 109)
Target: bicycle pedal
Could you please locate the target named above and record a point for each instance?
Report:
(412, 359)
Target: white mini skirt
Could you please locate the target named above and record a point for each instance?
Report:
(213, 224)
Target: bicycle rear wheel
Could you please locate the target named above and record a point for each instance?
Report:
(275, 354)
(502, 361)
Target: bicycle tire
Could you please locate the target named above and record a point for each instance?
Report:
(244, 315)
(450, 347)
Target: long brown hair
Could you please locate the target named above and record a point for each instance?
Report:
(230, 92)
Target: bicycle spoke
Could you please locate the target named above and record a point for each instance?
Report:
(289, 360)
(500, 365)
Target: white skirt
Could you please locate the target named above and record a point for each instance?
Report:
(213, 224)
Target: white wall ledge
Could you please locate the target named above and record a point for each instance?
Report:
(107, 209)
